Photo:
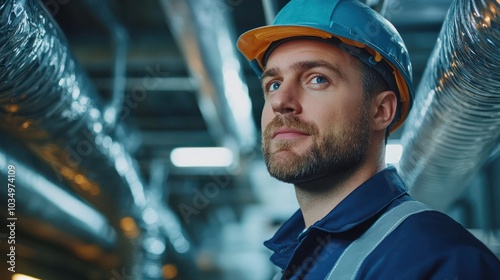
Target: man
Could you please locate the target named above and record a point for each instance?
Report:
(337, 79)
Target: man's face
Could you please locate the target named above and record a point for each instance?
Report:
(315, 119)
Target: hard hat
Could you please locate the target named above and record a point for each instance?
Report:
(355, 27)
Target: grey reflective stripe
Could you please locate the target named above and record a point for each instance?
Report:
(350, 261)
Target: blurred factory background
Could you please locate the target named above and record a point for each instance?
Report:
(98, 97)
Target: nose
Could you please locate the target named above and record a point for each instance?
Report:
(286, 100)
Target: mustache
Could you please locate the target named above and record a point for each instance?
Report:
(292, 122)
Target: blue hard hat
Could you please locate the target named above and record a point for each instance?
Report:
(353, 26)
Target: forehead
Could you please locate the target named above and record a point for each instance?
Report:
(292, 51)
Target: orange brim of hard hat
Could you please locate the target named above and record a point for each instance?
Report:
(254, 44)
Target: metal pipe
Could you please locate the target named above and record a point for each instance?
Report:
(36, 195)
(270, 10)
(382, 7)
(49, 103)
(120, 42)
(455, 121)
(203, 32)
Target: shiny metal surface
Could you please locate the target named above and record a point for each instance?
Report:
(38, 198)
(49, 104)
(455, 122)
(169, 60)
(204, 33)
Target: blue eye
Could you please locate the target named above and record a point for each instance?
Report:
(273, 86)
(319, 80)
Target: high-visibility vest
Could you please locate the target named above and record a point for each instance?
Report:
(348, 264)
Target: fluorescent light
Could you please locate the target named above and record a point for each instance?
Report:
(393, 153)
(18, 276)
(201, 157)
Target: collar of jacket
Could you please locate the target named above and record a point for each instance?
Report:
(360, 205)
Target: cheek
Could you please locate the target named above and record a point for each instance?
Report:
(267, 115)
(331, 119)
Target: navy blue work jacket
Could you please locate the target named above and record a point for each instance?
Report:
(427, 245)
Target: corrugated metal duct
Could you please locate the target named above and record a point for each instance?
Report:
(39, 205)
(455, 121)
(48, 103)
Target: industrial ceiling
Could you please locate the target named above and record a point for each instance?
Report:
(167, 75)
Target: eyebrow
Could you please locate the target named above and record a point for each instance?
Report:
(303, 66)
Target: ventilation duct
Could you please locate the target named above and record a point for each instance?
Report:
(43, 208)
(203, 32)
(48, 103)
(455, 121)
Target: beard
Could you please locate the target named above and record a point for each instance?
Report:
(331, 155)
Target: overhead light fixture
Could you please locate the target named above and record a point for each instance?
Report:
(393, 153)
(202, 157)
(18, 276)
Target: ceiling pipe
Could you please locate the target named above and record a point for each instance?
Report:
(36, 195)
(270, 10)
(120, 42)
(378, 5)
(382, 7)
(455, 121)
(48, 103)
(204, 33)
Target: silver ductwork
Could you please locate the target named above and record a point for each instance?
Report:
(61, 216)
(49, 104)
(455, 120)
(202, 29)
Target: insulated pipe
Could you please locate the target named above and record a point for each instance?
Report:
(36, 196)
(455, 120)
(203, 32)
(48, 102)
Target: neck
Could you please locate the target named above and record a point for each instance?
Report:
(316, 199)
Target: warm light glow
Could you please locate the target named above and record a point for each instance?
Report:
(201, 157)
(18, 276)
(11, 108)
(393, 153)
(94, 190)
(88, 251)
(129, 227)
(169, 271)
(26, 124)
(79, 179)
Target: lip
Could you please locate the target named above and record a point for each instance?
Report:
(288, 133)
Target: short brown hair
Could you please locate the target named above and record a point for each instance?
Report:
(373, 84)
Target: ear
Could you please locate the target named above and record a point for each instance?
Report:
(384, 107)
